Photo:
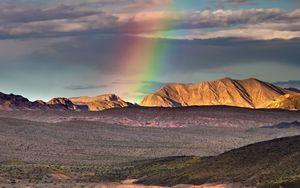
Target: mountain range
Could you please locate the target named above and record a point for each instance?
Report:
(11, 102)
(249, 93)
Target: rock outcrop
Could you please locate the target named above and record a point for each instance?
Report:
(101, 102)
(18, 102)
(287, 102)
(65, 104)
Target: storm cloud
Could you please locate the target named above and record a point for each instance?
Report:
(103, 53)
(123, 18)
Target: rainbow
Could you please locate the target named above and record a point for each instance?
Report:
(146, 58)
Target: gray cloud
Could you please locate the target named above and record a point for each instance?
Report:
(288, 84)
(74, 19)
(105, 53)
(17, 14)
(212, 53)
(86, 87)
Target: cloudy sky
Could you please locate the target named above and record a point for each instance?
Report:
(69, 48)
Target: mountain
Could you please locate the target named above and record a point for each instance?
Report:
(66, 104)
(274, 163)
(101, 102)
(287, 101)
(251, 93)
(11, 102)
(18, 102)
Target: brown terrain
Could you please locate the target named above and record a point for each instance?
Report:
(210, 116)
(66, 104)
(11, 102)
(124, 134)
(288, 101)
(67, 141)
(251, 93)
(101, 102)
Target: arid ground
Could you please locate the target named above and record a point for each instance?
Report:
(74, 148)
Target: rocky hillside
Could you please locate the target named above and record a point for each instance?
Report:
(251, 93)
(9, 102)
(66, 104)
(17, 102)
(274, 163)
(101, 102)
(288, 101)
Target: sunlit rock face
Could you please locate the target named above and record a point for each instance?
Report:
(288, 102)
(65, 104)
(100, 102)
(251, 93)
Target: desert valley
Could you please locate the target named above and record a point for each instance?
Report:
(83, 141)
(149, 94)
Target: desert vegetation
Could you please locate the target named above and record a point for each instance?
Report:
(272, 163)
(74, 149)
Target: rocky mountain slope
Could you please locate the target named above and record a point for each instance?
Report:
(88, 151)
(288, 101)
(9, 102)
(100, 102)
(251, 93)
(66, 104)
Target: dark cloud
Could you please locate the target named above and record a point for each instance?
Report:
(288, 84)
(197, 55)
(70, 20)
(108, 54)
(12, 14)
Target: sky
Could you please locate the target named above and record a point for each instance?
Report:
(66, 48)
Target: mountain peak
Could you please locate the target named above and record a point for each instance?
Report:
(63, 103)
(100, 102)
(251, 93)
(18, 102)
(225, 79)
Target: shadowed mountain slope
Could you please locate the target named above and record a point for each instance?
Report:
(10, 102)
(275, 162)
(17, 102)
